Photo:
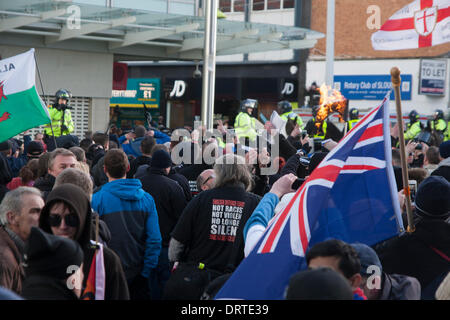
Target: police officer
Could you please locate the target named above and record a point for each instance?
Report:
(284, 109)
(245, 123)
(438, 123)
(414, 126)
(354, 118)
(61, 119)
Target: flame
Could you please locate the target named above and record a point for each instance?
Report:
(331, 100)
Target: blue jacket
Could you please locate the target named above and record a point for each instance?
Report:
(131, 216)
(133, 148)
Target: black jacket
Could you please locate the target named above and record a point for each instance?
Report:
(136, 163)
(5, 175)
(443, 169)
(169, 199)
(116, 287)
(46, 288)
(416, 254)
(45, 184)
(182, 181)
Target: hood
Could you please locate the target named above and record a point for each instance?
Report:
(445, 163)
(76, 198)
(127, 189)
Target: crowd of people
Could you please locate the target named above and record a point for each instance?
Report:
(178, 231)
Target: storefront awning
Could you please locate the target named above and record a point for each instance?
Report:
(136, 34)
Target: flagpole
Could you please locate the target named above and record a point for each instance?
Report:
(396, 81)
(46, 102)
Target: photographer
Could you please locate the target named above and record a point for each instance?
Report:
(61, 121)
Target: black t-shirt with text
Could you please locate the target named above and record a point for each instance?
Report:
(211, 225)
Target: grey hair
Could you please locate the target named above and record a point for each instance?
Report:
(76, 177)
(12, 202)
(232, 169)
(59, 152)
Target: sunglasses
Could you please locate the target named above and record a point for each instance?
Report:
(70, 220)
(209, 178)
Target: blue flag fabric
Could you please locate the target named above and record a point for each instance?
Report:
(351, 196)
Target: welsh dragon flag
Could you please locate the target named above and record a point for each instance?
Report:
(21, 108)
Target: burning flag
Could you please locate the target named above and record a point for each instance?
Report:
(21, 108)
(331, 100)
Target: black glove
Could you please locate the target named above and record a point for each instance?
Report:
(64, 129)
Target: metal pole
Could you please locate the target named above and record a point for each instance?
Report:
(329, 73)
(209, 64)
(396, 81)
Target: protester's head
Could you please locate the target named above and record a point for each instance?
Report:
(20, 210)
(206, 180)
(161, 160)
(101, 139)
(396, 160)
(432, 156)
(35, 149)
(160, 147)
(444, 150)
(67, 213)
(147, 145)
(55, 257)
(140, 131)
(231, 169)
(6, 148)
(418, 174)
(116, 164)
(433, 198)
(39, 137)
(318, 284)
(85, 144)
(59, 160)
(337, 255)
(79, 153)
(371, 270)
(76, 177)
(29, 172)
(43, 164)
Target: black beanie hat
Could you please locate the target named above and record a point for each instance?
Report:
(161, 159)
(433, 198)
(318, 284)
(51, 255)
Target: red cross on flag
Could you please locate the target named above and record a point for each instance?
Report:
(422, 23)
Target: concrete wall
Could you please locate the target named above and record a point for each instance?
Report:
(424, 104)
(85, 74)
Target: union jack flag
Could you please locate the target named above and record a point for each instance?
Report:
(350, 196)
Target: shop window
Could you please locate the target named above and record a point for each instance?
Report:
(238, 5)
(288, 4)
(225, 5)
(273, 4)
(258, 5)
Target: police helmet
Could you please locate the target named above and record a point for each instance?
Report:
(62, 94)
(438, 114)
(284, 106)
(354, 114)
(413, 116)
(314, 110)
(249, 103)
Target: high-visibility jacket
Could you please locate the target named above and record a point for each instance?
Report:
(56, 118)
(322, 134)
(447, 134)
(439, 125)
(351, 124)
(413, 130)
(245, 126)
(292, 115)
